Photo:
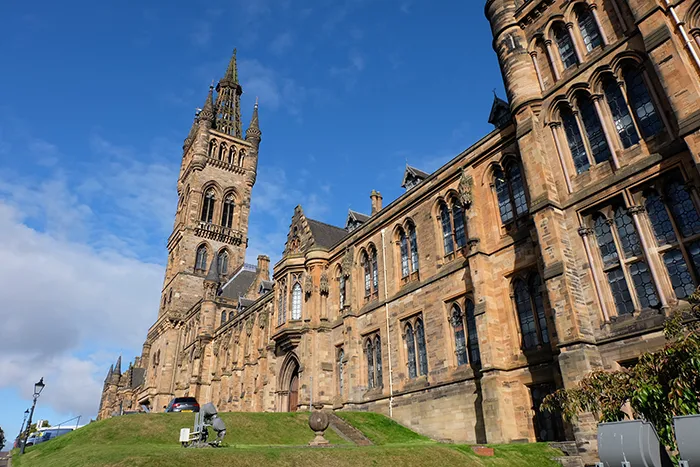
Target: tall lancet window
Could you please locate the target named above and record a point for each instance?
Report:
(208, 206)
(223, 262)
(296, 301)
(589, 29)
(227, 214)
(201, 261)
(566, 46)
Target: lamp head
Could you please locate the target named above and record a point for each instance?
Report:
(38, 387)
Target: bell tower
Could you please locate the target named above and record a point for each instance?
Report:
(216, 178)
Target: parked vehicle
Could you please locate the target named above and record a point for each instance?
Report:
(182, 404)
(46, 434)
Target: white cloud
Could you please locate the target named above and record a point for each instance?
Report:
(61, 299)
(282, 43)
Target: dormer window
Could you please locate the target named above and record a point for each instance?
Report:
(413, 177)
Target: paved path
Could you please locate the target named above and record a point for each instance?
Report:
(4, 459)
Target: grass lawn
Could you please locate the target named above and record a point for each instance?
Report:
(270, 439)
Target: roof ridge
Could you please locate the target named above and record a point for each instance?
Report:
(324, 223)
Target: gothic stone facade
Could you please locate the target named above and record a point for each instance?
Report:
(552, 247)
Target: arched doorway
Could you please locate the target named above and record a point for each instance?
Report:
(288, 384)
(294, 392)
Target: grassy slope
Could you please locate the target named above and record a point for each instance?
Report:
(261, 439)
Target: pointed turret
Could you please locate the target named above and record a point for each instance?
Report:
(109, 373)
(213, 275)
(228, 101)
(207, 112)
(118, 366)
(193, 132)
(253, 131)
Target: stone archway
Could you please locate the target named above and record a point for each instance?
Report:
(288, 384)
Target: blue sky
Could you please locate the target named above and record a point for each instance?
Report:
(96, 99)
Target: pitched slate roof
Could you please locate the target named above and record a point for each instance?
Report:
(239, 283)
(325, 235)
(412, 172)
(265, 286)
(500, 112)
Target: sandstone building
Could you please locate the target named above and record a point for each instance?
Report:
(553, 246)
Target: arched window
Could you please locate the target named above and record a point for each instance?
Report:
(364, 259)
(446, 229)
(227, 213)
(620, 113)
(212, 149)
(369, 352)
(241, 158)
(460, 338)
(282, 316)
(458, 219)
(378, 372)
(505, 205)
(676, 212)
(208, 206)
(341, 373)
(403, 247)
(422, 351)
(589, 28)
(231, 155)
(575, 140)
(222, 151)
(223, 317)
(510, 192)
(642, 105)
(341, 289)
(531, 315)
(473, 335)
(375, 272)
(296, 301)
(410, 350)
(414, 246)
(565, 46)
(594, 130)
(223, 262)
(201, 261)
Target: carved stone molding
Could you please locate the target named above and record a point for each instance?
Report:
(466, 189)
(348, 261)
(324, 286)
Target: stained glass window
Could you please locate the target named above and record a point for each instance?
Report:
(660, 221)
(594, 131)
(620, 291)
(644, 285)
(410, 351)
(627, 233)
(640, 100)
(606, 243)
(375, 271)
(368, 274)
(446, 229)
(683, 209)
(460, 337)
(223, 263)
(341, 295)
(341, 375)
(472, 335)
(681, 280)
(422, 351)
(458, 219)
(573, 137)
(403, 246)
(589, 30)
(621, 114)
(505, 206)
(566, 47)
(414, 247)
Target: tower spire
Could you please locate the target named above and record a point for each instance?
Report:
(253, 130)
(207, 112)
(228, 101)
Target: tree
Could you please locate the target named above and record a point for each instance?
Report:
(659, 386)
(2, 439)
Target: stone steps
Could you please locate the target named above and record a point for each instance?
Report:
(570, 457)
(347, 431)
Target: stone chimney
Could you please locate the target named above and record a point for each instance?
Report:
(264, 267)
(376, 198)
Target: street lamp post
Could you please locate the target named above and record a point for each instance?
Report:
(21, 430)
(38, 387)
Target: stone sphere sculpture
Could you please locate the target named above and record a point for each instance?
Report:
(318, 422)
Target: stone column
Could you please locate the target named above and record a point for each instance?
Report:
(584, 232)
(594, 12)
(555, 134)
(636, 212)
(575, 42)
(603, 124)
(555, 63)
(537, 69)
